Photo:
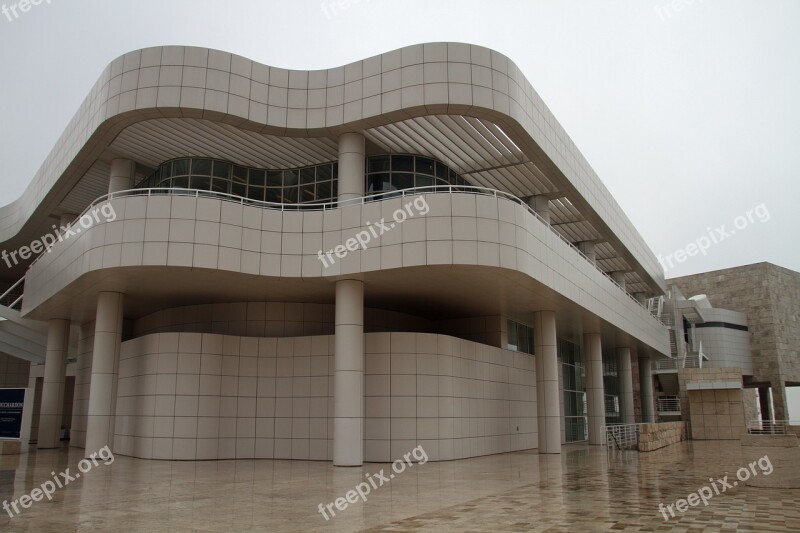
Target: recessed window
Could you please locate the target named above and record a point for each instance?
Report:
(289, 178)
(180, 167)
(306, 175)
(255, 193)
(312, 184)
(257, 177)
(202, 183)
(378, 183)
(403, 163)
(324, 172)
(221, 185)
(379, 163)
(307, 193)
(201, 167)
(402, 180)
(273, 195)
(425, 166)
(222, 169)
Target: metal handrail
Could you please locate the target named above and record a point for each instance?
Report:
(14, 286)
(9, 293)
(668, 404)
(674, 364)
(770, 427)
(612, 434)
(323, 206)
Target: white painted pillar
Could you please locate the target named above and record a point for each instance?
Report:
(548, 405)
(619, 277)
(625, 384)
(55, 372)
(595, 394)
(105, 369)
(122, 174)
(588, 250)
(83, 374)
(540, 204)
(348, 423)
(351, 166)
(646, 388)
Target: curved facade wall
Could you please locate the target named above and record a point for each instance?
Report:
(458, 229)
(415, 81)
(203, 396)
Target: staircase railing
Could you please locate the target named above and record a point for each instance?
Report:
(12, 297)
(621, 436)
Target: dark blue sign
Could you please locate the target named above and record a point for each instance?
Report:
(11, 403)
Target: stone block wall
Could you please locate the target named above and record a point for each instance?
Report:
(717, 414)
(656, 436)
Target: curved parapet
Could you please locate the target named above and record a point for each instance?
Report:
(162, 249)
(468, 105)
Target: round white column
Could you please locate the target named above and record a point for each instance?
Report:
(548, 405)
(105, 368)
(351, 166)
(540, 204)
(83, 374)
(121, 175)
(619, 277)
(348, 423)
(588, 249)
(595, 393)
(625, 384)
(646, 384)
(55, 372)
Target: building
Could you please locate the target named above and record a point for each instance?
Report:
(756, 337)
(332, 265)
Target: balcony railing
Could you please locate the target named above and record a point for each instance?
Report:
(678, 362)
(325, 206)
(773, 427)
(668, 404)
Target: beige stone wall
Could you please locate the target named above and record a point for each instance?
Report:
(656, 436)
(770, 297)
(717, 414)
(750, 399)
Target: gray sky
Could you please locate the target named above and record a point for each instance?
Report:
(689, 116)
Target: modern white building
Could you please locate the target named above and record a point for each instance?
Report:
(332, 265)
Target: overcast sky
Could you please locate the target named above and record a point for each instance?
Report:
(689, 116)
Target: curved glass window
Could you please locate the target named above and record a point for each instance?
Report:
(384, 175)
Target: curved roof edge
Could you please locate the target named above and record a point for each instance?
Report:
(146, 84)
